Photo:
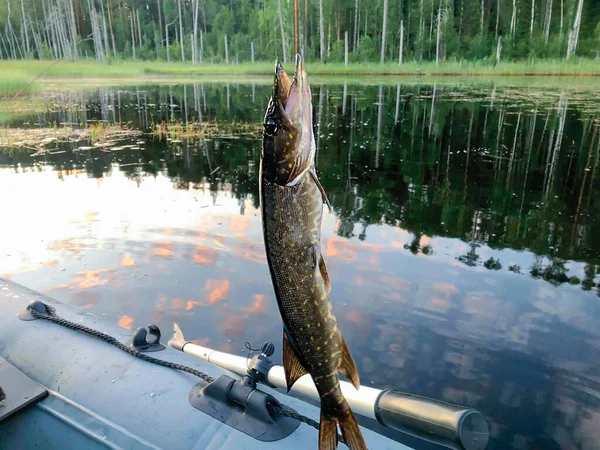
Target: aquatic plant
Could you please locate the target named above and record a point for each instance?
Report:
(176, 131)
(40, 140)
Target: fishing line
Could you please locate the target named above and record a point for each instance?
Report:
(46, 69)
(36, 77)
(250, 350)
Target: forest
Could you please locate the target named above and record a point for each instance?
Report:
(336, 31)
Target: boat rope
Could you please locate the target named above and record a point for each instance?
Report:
(51, 316)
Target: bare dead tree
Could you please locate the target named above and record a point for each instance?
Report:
(25, 28)
(321, 31)
(355, 40)
(532, 17)
(547, 20)
(513, 20)
(346, 48)
(160, 25)
(400, 50)
(133, 34)
(384, 30)
(195, 40)
(104, 28)
(574, 32)
(167, 39)
(181, 31)
(139, 28)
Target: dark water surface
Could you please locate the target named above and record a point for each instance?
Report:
(463, 246)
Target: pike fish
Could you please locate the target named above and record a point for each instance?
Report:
(292, 207)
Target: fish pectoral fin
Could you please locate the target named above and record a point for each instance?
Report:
(347, 365)
(302, 164)
(313, 174)
(304, 161)
(292, 366)
(324, 273)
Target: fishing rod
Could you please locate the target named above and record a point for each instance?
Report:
(296, 32)
(445, 424)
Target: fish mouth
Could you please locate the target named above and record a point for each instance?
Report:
(299, 98)
(290, 106)
(281, 86)
(299, 75)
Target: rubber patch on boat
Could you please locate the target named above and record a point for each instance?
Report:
(242, 407)
(20, 390)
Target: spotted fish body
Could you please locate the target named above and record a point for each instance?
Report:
(292, 208)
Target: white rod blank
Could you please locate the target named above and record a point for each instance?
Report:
(361, 401)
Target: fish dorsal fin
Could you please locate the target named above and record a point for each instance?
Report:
(347, 365)
(324, 273)
(313, 174)
(292, 367)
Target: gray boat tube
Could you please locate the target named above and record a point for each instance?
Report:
(443, 423)
(100, 397)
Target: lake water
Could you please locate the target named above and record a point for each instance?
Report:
(463, 245)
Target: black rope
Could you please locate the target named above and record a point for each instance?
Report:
(283, 410)
(52, 317)
(275, 409)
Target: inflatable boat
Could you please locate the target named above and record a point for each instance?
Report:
(72, 381)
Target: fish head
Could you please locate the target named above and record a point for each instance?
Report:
(288, 141)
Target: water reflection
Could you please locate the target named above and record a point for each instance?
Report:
(463, 244)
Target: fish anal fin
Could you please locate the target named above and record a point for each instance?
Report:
(347, 365)
(292, 367)
(313, 174)
(324, 273)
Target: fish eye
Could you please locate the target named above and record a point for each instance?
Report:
(270, 127)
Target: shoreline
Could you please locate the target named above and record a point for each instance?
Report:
(31, 75)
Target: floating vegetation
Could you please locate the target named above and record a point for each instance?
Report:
(515, 268)
(492, 264)
(44, 140)
(176, 132)
(102, 133)
(21, 104)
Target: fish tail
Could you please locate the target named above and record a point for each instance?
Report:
(351, 432)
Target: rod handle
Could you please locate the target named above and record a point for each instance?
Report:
(466, 427)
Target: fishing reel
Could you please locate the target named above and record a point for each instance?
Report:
(259, 366)
(240, 404)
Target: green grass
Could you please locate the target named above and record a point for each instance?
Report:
(579, 67)
(12, 77)
(13, 84)
(15, 75)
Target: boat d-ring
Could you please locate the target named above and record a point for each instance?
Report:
(147, 340)
(38, 306)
